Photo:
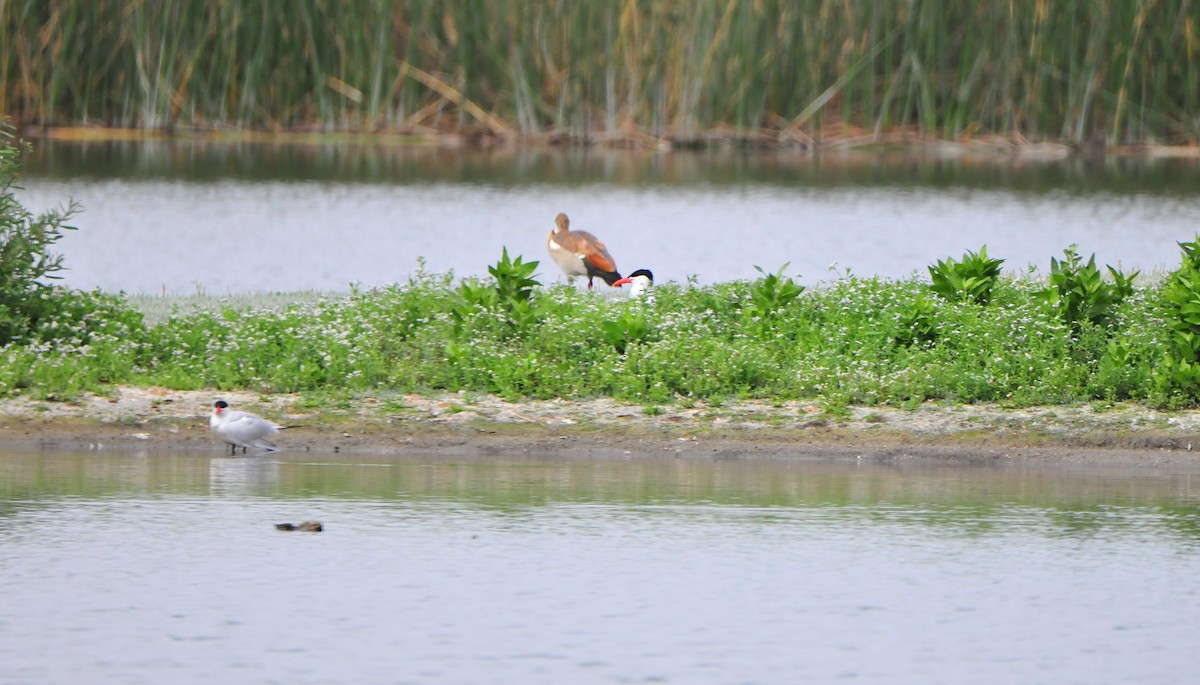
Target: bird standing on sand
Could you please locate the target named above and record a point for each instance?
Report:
(241, 429)
(579, 253)
(639, 282)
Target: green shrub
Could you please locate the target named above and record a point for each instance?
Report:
(54, 341)
(514, 278)
(770, 295)
(1079, 292)
(511, 293)
(1177, 378)
(25, 242)
(916, 323)
(628, 328)
(971, 279)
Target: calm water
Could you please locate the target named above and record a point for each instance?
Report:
(151, 568)
(185, 217)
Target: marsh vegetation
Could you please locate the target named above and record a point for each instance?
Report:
(691, 72)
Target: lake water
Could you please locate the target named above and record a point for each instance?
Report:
(166, 567)
(186, 216)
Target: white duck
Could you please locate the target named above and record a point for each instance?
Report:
(241, 429)
(639, 282)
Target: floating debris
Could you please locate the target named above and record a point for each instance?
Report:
(307, 526)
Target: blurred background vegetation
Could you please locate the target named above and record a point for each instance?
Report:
(687, 70)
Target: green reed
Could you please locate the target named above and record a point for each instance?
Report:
(1064, 69)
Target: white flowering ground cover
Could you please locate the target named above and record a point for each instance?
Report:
(851, 342)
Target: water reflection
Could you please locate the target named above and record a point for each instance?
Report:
(537, 569)
(199, 161)
(533, 481)
(245, 477)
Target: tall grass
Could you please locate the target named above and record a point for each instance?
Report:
(686, 69)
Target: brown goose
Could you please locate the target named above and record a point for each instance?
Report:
(579, 253)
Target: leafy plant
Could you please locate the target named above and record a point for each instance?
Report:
(970, 280)
(1079, 292)
(25, 243)
(511, 292)
(514, 278)
(769, 296)
(1120, 370)
(476, 294)
(916, 323)
(1179, 371)
(630, 327)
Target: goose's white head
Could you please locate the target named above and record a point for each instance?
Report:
(639, 281)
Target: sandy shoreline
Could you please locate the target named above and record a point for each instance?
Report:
(479, 425)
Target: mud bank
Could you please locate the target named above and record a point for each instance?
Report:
(155, 419)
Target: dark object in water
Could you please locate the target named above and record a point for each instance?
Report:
(307, 526)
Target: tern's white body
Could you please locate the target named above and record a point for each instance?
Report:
(639, 282)
(638, 285)
(242, 429)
